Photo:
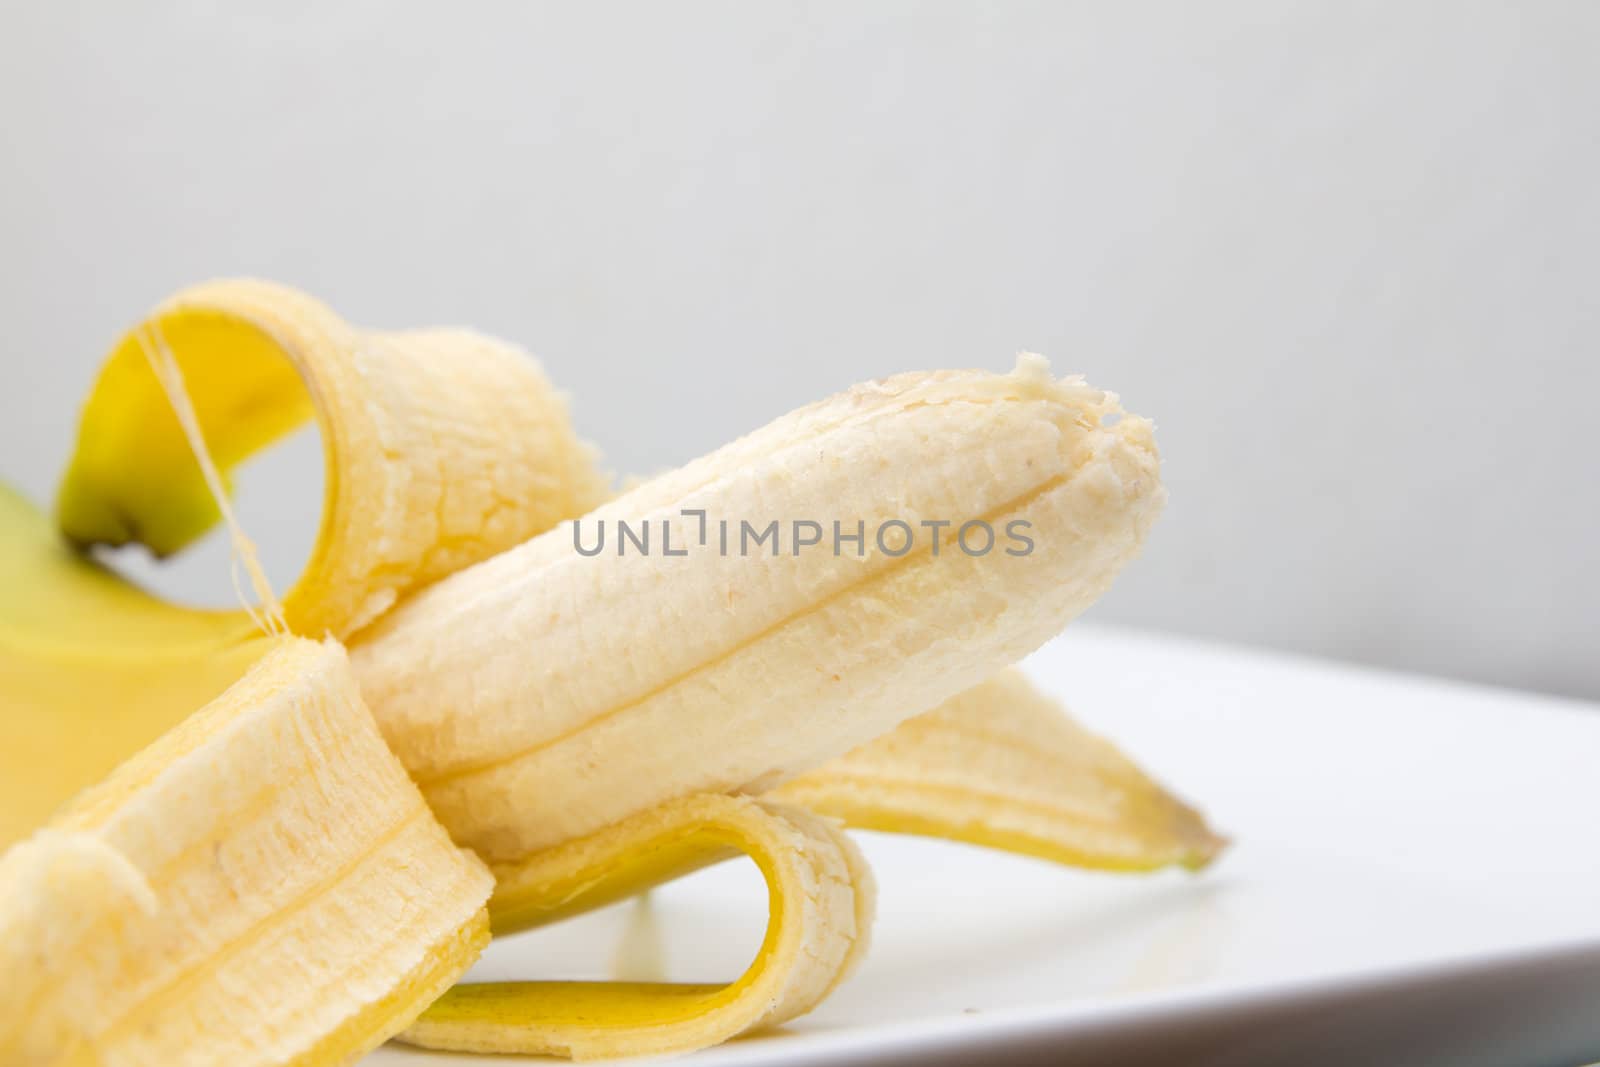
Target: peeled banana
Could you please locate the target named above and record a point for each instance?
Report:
(591, 724)
(542, 695)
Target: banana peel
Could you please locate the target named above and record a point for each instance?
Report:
(1004, 766)
(442, 448)
(820, 897)
(95, 668)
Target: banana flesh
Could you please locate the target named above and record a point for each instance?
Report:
(580, 713)
(268, 851)
(583, 722)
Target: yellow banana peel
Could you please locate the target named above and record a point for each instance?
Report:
(441, 447)
(820, 899)
(444, 449)
(1004, 766)
(95, 669)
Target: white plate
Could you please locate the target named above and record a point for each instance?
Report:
(1413, 881)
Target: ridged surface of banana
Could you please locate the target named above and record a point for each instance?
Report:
(1003, 765)
(263, 885)
(441, 447)
(542, 695)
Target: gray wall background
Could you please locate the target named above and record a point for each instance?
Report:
(1346, 254)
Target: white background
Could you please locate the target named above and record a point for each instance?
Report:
(1346, 254)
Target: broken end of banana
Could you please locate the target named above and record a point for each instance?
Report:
(820, 902)
(1117, 446)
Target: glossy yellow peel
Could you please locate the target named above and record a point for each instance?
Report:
(93, 668)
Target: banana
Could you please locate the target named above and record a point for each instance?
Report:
(542, 695)
(595, 726)
(268, 851)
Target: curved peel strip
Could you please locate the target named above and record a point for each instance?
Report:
(269, 850)
(441, 447)
(1004, 766)
(820, 899)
